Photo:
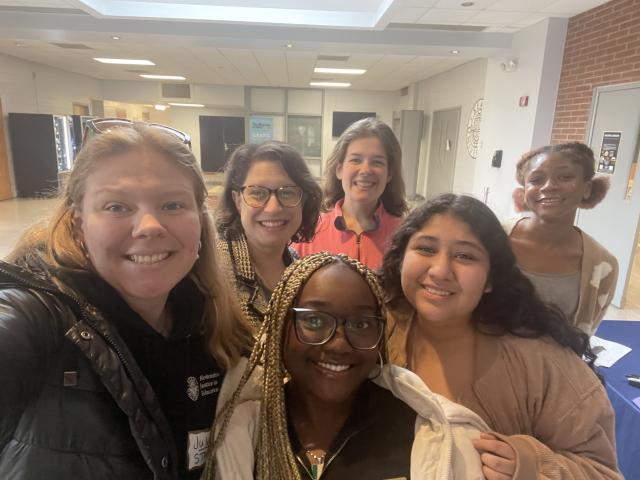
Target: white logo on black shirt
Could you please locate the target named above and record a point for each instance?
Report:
(193, 388)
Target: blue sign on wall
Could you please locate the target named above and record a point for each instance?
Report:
(260, 129)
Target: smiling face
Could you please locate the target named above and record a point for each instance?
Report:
(140, 224)
(364, 172)
(554, 187)
(445, 271)
(332, 372)
(271, 226)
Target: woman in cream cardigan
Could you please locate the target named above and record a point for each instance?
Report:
(568, 267)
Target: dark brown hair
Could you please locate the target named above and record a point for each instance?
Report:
(512, 306)
(393, 196)
(579, 154)
(236, 172)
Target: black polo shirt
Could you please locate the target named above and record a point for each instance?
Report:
(374, 443)
(183, 374)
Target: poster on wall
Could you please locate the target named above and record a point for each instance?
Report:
(260, 129)
(609, 152)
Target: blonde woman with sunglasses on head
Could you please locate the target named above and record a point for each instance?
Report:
(116, 326)
(270, 199)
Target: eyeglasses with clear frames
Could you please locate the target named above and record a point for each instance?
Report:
(97, 126)
(314, 327)
(257, 196)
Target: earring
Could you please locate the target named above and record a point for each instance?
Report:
(84, 250)
(199, 248)
(380, 367)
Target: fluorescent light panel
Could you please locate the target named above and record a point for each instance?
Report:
(330, 84)
(199, 105)
(341, 71)
(163, 77)
(124, 61)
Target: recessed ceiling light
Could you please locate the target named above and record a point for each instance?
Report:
(467, 4)
(163, 77)
(330, 84)
(124, 61)
(115, 37)
(160, 107)
(198, 105)
(18, 44)
(455, 52)
(289, 45)
(343, 71)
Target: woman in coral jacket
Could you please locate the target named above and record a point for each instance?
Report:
(363, 197)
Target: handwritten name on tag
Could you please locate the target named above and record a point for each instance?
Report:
(197, 444)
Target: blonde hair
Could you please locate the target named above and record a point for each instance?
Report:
(54, 241)
(275, 459)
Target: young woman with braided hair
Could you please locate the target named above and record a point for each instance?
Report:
(568, 267)
(339, 414)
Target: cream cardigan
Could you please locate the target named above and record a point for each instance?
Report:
(540, 398)
(598, 277)
(442, 447)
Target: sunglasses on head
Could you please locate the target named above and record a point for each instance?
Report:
(97, 126)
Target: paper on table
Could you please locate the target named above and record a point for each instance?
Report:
(608, 352)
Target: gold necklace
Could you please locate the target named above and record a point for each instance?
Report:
(316, 456)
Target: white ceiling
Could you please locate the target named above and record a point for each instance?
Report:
(243, 42)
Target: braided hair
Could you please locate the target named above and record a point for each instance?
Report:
(275, 459)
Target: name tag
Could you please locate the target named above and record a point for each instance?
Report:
(197, 445)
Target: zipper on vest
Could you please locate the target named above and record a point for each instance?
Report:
(358, 246)
(326, 465)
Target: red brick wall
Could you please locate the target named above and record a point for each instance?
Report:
(602, 48)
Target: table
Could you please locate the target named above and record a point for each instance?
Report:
(622, 394)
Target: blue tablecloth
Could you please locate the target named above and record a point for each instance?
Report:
(622, 394)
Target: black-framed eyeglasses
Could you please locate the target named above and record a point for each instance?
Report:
(96, 126)
(257, 196)
(314, 327)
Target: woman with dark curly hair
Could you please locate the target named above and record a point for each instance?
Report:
(363, 194)
(568, 267)
(270, 199)
(469, 323)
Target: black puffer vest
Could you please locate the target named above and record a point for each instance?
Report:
(66, 378)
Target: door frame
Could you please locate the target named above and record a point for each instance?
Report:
(458, 109)
(596, 97)
(593, 112)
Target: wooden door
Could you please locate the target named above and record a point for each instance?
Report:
(5, 176)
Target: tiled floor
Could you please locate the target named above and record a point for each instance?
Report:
(16, 215)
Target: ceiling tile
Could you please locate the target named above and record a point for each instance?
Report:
(437, 15)
(477, 4)
(408, 14)
(490, 17)
(521, 5)
(570, 8)
(529, 19)
(274, 65)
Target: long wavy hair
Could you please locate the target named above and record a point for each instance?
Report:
(55, 241)
(275, 459)
(512, 306)
(393, 197)
(236, 170)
